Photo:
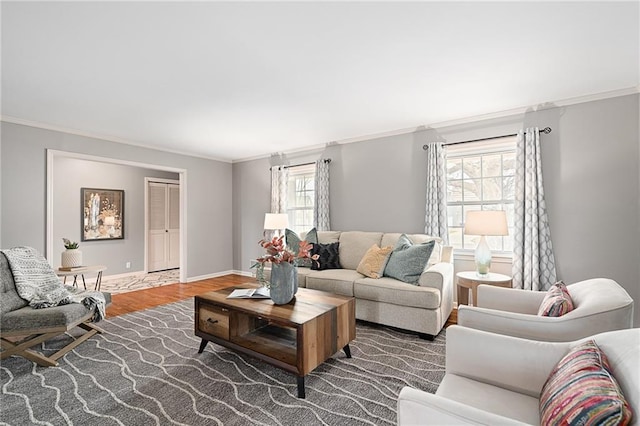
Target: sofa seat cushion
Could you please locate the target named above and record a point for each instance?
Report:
(337, 281)
(396, 292)
(28, 318)
(490, 398)
(302, 276)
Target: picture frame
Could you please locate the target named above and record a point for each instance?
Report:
(102, 214)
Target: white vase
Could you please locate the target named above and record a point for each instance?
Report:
(71, 258)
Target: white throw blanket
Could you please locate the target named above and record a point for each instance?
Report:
(37, 283)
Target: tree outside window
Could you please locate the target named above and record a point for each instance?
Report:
(480, 178)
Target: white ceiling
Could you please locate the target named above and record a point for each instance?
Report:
(239, 80)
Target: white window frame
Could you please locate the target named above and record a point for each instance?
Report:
(492, 146)
(295, 172)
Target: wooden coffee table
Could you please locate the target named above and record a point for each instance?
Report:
(296, 337)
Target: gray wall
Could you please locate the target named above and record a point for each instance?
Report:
(591, 164)
(71, 174)
(23, 194)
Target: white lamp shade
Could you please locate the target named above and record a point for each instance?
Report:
(486, 222)
(276, 220)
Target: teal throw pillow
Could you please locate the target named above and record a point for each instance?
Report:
(408, 260)
(292, 240)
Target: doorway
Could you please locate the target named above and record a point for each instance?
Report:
(163, 224)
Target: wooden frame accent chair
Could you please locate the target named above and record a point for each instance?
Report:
(22, 327)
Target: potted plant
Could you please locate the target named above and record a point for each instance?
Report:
(72, 256)
(284, 275)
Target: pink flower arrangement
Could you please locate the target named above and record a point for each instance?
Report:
(278, 253)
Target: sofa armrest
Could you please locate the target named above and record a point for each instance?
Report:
(416, 407)
(509, 299)
(550, 329)
(512, 363)
(447, 254)
(437, 276)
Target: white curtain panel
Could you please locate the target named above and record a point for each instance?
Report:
(533, 262)
(321, 211)
(436, 214)
(279, 179)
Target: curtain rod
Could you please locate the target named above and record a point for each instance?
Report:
(326, 160)
(546, 130)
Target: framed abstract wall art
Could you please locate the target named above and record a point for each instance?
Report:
(102, 214)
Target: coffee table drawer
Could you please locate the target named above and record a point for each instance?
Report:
(214, 320)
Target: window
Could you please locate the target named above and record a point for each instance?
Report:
(301, 197)
(480, 176)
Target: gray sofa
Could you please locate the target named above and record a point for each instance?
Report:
(18, 319)
(423, 308)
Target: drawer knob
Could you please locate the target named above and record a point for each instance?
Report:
(211, 321)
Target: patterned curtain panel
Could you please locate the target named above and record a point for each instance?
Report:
(279, 178)
(436, 216)
(533, 262)
(321, 210)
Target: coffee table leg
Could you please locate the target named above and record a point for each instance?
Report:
(203, 344)
(347, 351)
(301, 387)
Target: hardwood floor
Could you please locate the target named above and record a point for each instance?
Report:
(138, 300)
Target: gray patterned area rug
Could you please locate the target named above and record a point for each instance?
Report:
(145, 370)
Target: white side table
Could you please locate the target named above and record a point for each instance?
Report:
(469, 280)
(93, 269)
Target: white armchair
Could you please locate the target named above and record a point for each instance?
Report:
(600, 305)
(492, 379)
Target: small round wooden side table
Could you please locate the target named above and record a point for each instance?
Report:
(469, 280)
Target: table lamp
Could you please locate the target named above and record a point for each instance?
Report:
(485, 222)
(275, 222)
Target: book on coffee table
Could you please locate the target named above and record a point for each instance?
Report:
(250, 293)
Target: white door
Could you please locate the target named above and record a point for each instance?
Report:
(164, 226)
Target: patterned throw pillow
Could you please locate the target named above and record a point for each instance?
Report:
(293, 243)
(329, 256)
(556, 302)
(408, 260)
(374, 261)
(582, 391)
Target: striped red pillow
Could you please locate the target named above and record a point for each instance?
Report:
(581, 390)
(556, 302)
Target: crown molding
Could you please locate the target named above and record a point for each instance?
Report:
(319, 147)
(47, 126)
(472, 119)
(540, 107)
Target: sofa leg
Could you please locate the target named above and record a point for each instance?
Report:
(425, 336)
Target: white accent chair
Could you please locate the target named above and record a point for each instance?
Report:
(600, 304)
(492, 379)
